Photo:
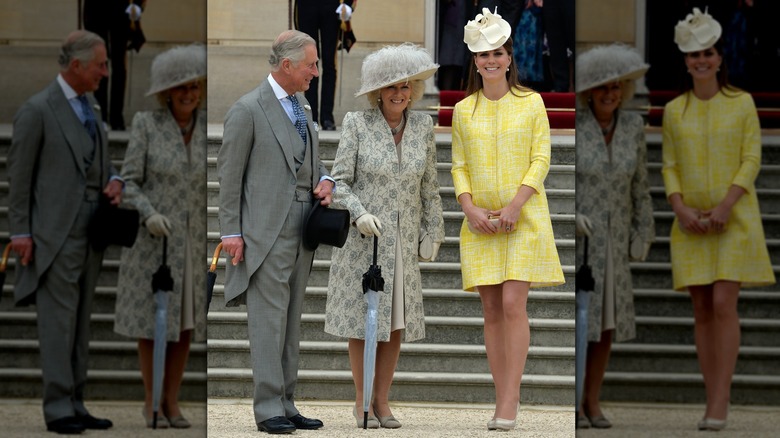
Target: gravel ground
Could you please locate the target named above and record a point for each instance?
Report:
(234, 418)
(677, 421)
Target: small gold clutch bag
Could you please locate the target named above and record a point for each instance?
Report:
(493, 220)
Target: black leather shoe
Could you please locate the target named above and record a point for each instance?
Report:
(276, 425)
(328, 125)
(90, 422)
(65, 426)
(302, 422)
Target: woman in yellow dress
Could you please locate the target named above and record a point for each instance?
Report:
(500, 158)
(711, 157)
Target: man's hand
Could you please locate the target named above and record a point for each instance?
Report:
(235, 247)
(24, 247)
(324, 191)
(113, 191)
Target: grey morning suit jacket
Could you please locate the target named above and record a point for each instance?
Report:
(257, 178)
(47, 179)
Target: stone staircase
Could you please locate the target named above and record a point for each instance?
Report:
(450, 363)
(113, 368)
(660, 364)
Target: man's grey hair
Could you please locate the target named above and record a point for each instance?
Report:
(79, 45)
(289, 44)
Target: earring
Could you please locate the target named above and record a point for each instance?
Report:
(507, 69)
(378, 99)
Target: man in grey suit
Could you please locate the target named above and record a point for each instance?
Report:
(58, 168)
(269, 175)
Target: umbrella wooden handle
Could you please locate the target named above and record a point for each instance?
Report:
(215, 258)
(4, 261)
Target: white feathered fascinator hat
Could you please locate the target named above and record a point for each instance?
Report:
(395, 64)
(606, 64)
(177, 66)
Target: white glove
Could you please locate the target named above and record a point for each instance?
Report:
(133, 12)
(583, 225)
(347, 12)
(369, 225)
(638, 250)
(158, 225)
(436, 246)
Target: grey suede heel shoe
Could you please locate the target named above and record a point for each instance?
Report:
(372, 423)
(388, 422)
(162, 422)
(712, 424)
(179, 422)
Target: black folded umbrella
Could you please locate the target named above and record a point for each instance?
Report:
(584, 284)
(3, 264)
(162, 284)
(211, 276)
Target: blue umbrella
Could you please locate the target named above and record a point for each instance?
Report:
(584, 284)
(372, 284)
(162, 284)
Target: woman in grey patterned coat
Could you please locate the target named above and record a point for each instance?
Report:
(165, 176)
(614, 208)
(385, 172)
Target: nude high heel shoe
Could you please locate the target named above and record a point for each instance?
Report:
(372, 423)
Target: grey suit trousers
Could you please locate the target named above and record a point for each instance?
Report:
(64, 303)
(274, 302)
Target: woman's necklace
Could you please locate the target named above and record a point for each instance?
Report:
(400, 126)
(186, 130)
(606, 130)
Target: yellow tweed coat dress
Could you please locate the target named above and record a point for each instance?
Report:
(497, 146)
(707, 147)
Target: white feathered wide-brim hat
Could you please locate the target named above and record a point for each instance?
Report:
(487, 31)
(698, 31)
(605, 64)
(395, 64)
(177, 66)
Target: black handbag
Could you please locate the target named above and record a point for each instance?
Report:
(111, 225)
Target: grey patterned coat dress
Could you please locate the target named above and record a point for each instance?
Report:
(616, 199)
(370, 180)
(160, 178)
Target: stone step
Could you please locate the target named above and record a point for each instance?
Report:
(103, 355)
(438, 329)
(658, 275)
(679, 331)
(20, 324)
(415, 357)
(752, 304)
(660, 251)
(102, 384)
(665, 358)
(440, 302)
(407, 386)
(686, 388)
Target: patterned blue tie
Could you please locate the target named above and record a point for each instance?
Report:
(300, 117)
(89, 117)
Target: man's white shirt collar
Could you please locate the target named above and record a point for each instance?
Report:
(278, 90)
(70, 93)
